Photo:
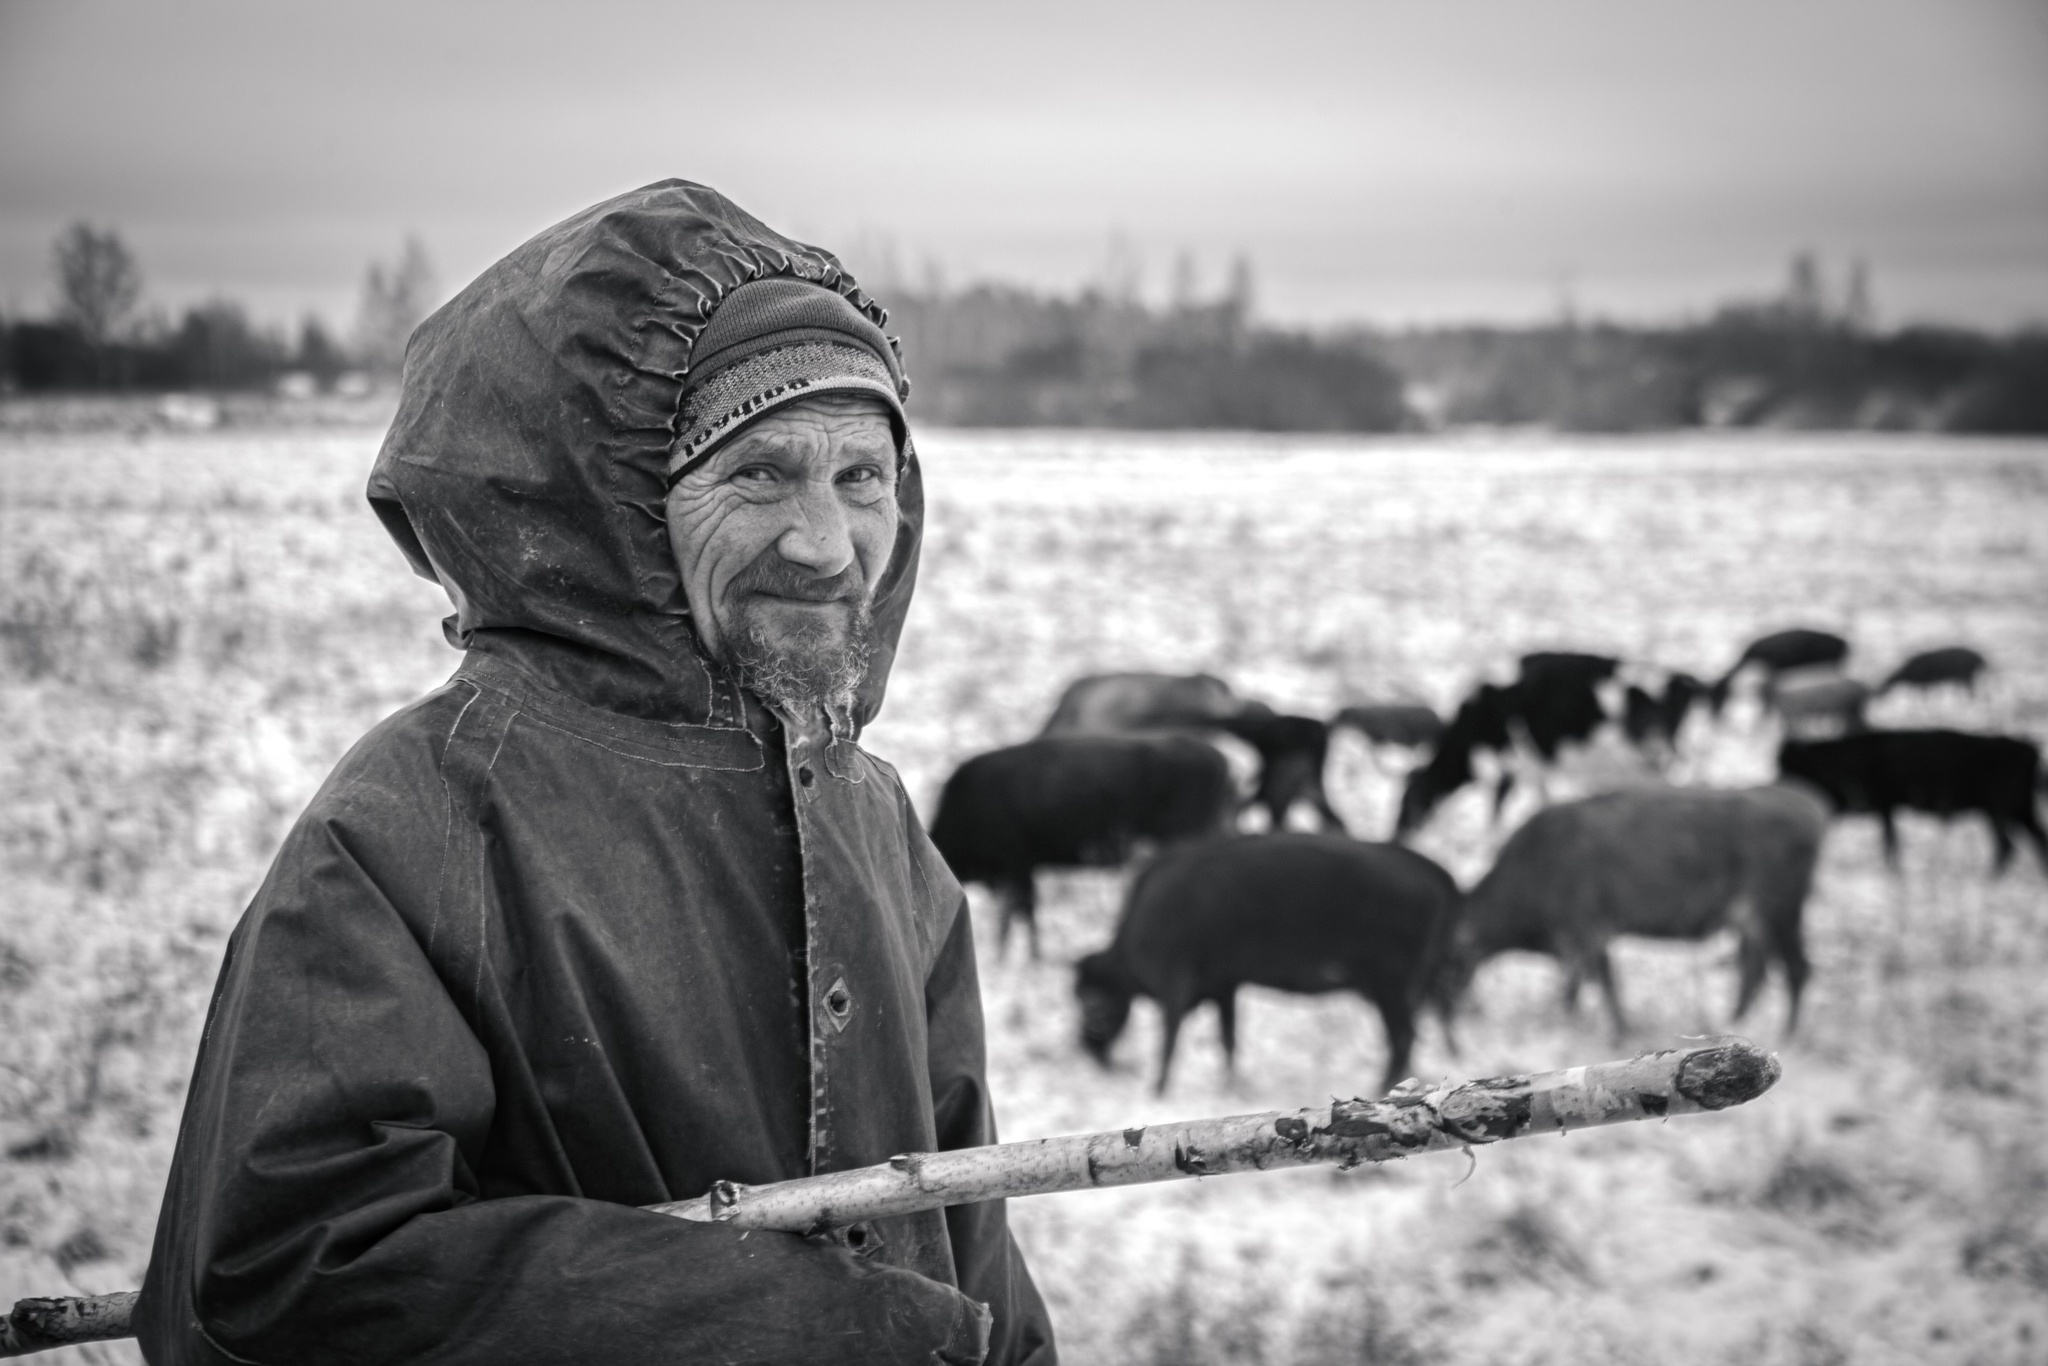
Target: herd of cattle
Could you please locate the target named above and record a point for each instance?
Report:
(1127, 766)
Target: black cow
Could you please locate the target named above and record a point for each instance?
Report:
(1554, 699)
(1292, 751)
(1306, 913)
(1670, 863)
(1074, 801)
(1408, 725)
(1941, 772)
(1933, 668)
(1109, 704)
(1799, 648)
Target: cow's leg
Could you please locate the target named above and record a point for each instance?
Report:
(1753, 962)
(1574, 975)
(1889, 825)
(1276, 813)
(1226, 1024)
(1280, 797)
(1016, 899)
(2001, 844)
(1030, 911)
(2030, 822)
(1400, 1027)
(1603, 973)
(1788, 940)
(1004, 912)
(1294, 781)
(1169, 1035)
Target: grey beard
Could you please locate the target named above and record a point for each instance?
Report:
(812, 669)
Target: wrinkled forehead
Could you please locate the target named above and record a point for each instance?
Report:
(830, 428)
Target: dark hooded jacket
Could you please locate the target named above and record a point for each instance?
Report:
(581, 931)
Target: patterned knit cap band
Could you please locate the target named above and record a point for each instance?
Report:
(772, 343)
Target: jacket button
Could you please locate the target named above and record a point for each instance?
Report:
(805, 776)
(838, 1003)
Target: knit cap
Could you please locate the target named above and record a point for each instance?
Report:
(774, 342)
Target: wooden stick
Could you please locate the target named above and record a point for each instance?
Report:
(1413, 1119)
(40, 1324)
(1346, 1132)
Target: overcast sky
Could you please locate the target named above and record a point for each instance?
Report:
(1425, 159)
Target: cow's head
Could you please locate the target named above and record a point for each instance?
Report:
(1105, 989)
(1449, 769)
(1839, 784)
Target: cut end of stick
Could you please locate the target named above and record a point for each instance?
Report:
(38, 1325)
(1730, 1073)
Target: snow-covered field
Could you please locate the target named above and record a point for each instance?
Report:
(193, 627)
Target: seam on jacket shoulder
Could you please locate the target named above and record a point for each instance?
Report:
(535, 702)
(448, 825)
(483, 856)
(645, 759)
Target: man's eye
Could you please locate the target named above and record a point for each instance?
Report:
(860, 474)
(755, 474)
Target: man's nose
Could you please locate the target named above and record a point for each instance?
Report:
(818, 537)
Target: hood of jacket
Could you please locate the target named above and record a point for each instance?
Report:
(525, 470)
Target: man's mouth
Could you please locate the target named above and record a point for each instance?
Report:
(800, 599)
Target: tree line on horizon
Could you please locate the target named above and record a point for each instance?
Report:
(1810, 358)
(100, 339)
(1000, 355)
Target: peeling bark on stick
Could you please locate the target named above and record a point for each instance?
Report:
(1345, 1133)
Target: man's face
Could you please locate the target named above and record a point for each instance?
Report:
(781, 537)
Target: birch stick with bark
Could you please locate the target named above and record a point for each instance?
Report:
(1345, 1133)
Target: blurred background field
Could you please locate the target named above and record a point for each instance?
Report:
(194, 626)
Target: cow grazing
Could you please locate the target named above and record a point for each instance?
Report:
(1941, 772)
(1109, 704)
(1669, 863)
(1405, 725)
(1292, 751)
(1296, 912)
(1799, 648)
(1074, 801)
(1554, 699)
(1957, 664)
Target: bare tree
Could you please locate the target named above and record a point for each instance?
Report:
(395, 299)
(1805, 293)
(98, 282)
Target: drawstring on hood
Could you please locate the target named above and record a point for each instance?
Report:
(545, 408)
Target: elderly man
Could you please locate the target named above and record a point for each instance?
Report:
(623, 909)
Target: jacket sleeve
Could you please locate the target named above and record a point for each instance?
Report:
(991, 1269)
(322, 1206)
